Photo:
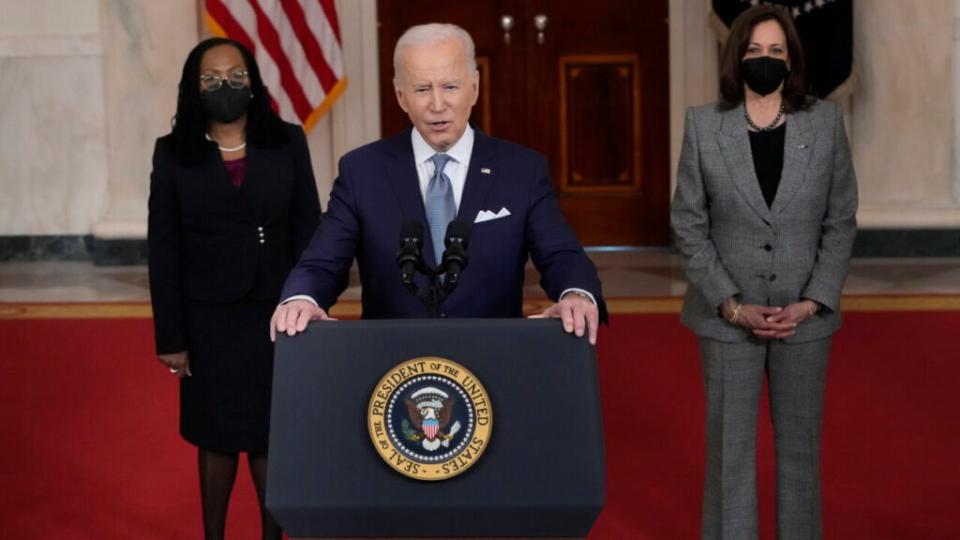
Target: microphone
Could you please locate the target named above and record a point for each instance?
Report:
(408, 257)
(455, 256)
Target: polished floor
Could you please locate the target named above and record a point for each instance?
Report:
(632, 274)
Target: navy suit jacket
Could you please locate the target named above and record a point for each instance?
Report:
(378, 190)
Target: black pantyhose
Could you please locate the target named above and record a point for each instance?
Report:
(218, 470)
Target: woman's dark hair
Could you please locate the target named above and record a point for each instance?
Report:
(264, 127)
(731, 80)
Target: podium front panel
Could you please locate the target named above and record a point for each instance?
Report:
(542, 473)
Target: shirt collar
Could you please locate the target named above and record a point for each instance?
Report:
(460, 151)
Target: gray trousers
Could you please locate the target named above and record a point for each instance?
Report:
(733, 376)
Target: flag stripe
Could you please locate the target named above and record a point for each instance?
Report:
(224, 17)
(271, 42)
(246, 20)
(296, 44)
(297, 18)
(295, 53)
(331, 17)
(329, 44)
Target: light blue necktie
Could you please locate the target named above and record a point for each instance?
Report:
(441, 208)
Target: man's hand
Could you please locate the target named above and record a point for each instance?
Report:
(292, 317)
(578, 314)
(178, 363)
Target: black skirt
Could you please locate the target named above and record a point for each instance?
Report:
(225, 405)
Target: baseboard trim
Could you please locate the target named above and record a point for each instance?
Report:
(119, 251)
(100, 251)
(892, 243)
(905, 243)
(46, 248)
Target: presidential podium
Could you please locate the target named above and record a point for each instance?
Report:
(541, 471)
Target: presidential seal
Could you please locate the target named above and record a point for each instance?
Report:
(430, 418)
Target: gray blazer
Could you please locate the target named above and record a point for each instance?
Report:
(731, 243)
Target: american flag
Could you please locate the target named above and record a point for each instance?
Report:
(297, 45)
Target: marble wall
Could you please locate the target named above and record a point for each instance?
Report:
(903, 113)
(53, 164)
(145, 44)
(87, 85)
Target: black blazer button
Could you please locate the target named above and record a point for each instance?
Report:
(773, 277)
(768, 247)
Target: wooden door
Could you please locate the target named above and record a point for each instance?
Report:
(586, 83)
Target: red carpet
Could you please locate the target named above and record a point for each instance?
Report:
(88, 430)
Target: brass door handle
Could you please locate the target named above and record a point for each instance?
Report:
(540, 23)
(506, 22)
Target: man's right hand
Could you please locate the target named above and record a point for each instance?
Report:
(292, 317)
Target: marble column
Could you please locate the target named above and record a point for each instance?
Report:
(355, 119)
(145, 45)
(53, 172)
(956, 101)
(694, 69)
(903, 111)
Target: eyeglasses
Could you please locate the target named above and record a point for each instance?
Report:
(236, 80)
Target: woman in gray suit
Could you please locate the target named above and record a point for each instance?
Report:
(764, 217)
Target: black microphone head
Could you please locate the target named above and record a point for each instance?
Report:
(458, 231)
(411, 230)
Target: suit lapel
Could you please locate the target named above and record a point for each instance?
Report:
(735, 145)
(797, 149)
(734, 142)
(401, 171)
(256, 185)
(219, 184)
(478, 182)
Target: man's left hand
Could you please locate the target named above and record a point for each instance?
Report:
(578, 314)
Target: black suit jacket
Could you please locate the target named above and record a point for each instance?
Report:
(212, 242)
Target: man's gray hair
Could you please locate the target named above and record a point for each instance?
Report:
(429, 34)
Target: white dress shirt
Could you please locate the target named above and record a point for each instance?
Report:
(456, 168)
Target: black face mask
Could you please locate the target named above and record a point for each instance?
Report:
(226, 104)
(764, 74)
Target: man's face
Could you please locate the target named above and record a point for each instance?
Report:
(436, 89)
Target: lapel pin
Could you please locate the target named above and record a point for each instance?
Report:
(485, 170)
(802, 146)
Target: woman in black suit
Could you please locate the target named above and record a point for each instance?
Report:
(233, 203)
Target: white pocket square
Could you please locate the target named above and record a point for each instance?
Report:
(487, 215)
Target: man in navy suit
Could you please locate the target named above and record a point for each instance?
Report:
(439, 168)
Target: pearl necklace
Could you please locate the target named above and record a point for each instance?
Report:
(222, 149)
(769, 126)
